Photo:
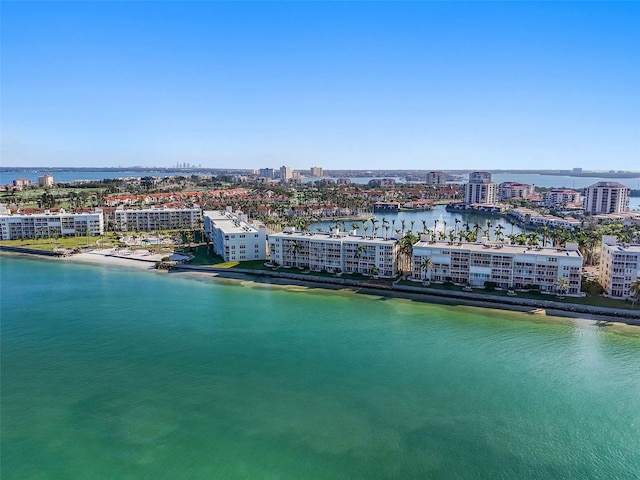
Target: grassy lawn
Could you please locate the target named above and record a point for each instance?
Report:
(201, 257)
(62, 242)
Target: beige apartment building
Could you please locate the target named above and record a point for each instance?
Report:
(47, 225)
(161, 218)
(619, 266)
(335, 252)
(508, 266)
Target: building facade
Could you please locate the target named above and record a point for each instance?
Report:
(559, 197)
(436, 178)
(233, 237)
(22, 182)
(162, 218)
(335, 252)
(619, 267)
(48, 225)
(45, 181)
(606, 197)
(508, 266)
(507, 190)
(286, 173)
(316, 172)
(480, 189)
(266, 173)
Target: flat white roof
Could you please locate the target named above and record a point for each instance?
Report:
(625, 249)
(229, 223)
(503, 249)
(342, 236)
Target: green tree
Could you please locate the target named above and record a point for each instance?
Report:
(563, 286)
(635, 291)
(426, 266)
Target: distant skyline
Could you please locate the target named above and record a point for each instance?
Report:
(340, 85)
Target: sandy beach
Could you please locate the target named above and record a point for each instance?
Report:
(111, 256)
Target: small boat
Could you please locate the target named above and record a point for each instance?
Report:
(538, 311)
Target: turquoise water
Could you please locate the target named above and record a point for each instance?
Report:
(127, 374)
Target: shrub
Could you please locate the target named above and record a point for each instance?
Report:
(490, 286)
(591, 287)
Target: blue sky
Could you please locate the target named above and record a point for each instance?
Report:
(354, 85)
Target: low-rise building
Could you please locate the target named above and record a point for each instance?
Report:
(533, 217)
(22, 182)
(233, 237)
(619, 266)
(552, 270)
(161, 218)
(507, 190)
(50, 224)
(386, 206)
(560, 197)
(335, 252)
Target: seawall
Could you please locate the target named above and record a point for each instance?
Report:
(430, 294)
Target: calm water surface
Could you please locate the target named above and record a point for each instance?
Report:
(116, 374)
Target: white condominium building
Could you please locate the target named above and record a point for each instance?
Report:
(619, 267)
(335, 252)
(561, 197)
(508, 266)
(162, 218)
(606, 197)
(233, 237)
(47, 225)
(436, 178)
(480, 189)
(508, 190)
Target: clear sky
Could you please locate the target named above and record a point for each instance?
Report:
(353, 85)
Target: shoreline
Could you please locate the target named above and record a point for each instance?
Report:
(146, 261)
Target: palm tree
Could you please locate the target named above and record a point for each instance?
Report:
(374, 271)
(292, 249)
(563, 285)
(361, 250)
(405, 250)
(635, 291)
(426, 266)
(545, 235)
